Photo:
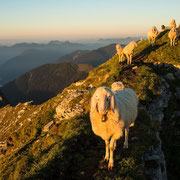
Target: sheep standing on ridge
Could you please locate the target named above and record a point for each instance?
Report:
(172, 24)
(111, 113)
(173, 34)
(119, 52)
(152, 34)
(129, 50)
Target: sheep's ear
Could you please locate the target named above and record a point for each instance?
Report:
(112, 103)
(93, 103)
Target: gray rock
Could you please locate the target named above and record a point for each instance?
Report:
(21, 112)
(177, 113)
(63, 111)
(154, 160)
(167, 65)
(27, 103)
(177, 74)
(178, 93)
(170, 76)
(48, 126)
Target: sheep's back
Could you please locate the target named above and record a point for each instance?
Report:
(127, 103)
(128, 49)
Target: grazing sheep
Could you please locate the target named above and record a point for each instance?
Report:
(128, 51)
(173, 34)
(111, 113)
(119, 52)
(152, 34)
(172, 24)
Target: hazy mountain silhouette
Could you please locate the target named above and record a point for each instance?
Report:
(22, 57)
(44, 82)
(28, 60)
(125, 40)
(95, 57)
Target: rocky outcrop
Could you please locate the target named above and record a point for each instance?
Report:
(64, 111)
(154, 158)
(48, 126)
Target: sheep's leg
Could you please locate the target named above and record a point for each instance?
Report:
(121, 58)
(126, 138)
(171, 42)
(122, 55)
(118, 56)
(174, 42)
(107, 151)
(112, 148)
(130, 58)
(127, 56)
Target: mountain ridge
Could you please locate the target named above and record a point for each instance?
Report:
(69, 149)
(94, 57)
(44, 82)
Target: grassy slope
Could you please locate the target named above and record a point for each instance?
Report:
(70, 149)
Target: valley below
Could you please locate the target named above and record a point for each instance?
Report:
(53, 139)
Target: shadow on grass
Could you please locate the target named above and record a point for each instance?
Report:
(144, 54)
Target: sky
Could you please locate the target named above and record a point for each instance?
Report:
(83, 19)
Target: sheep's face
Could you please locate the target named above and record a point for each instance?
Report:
(103, 100)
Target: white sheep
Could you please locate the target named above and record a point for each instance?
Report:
(172, 24)
(111, 113)
(128, 51)
(117, 86)
(173, 34)
(119, 50)
(152, 34)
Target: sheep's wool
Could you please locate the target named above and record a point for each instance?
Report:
(124, 114)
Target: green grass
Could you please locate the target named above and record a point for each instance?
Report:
(70, 150)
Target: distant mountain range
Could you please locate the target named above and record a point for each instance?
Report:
(8, 52)
(120, 40)
(23, 57)
(95, 57)
(26, 61)
(32, 58)
(44, 82)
